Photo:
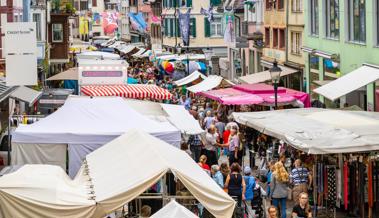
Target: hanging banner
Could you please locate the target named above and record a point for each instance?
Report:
(110, 22)
(20, 46)
(184, 25)
(208, 13)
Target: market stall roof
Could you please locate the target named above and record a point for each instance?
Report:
(190, 78)
(5, 90)
(318, 131)
(352, 81)
(98, 55)
(177, 115)
(168, 57)
(125, 49)
(107, 180)
(26, 94)
(264, 76)
(321, 82)
(209, 83)
(70, 74)
(138, 91)
(139, 52)
(146, 54)
(174, 210)
(231, 96)
(192, 57)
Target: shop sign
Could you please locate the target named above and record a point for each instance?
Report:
(102, 73)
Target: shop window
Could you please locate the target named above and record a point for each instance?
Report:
(267, 37)
(282, 38)
(332, 19)
(275, 38)
(57, 32)
(313, 8)
(356, 12)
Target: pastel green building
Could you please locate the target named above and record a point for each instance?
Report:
(340, 37)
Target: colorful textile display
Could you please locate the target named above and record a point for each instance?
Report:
(208, 13)
(110, 20)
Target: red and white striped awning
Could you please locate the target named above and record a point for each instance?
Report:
(137, 91)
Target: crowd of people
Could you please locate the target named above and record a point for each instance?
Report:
(221, 150)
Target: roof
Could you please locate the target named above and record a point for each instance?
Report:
(318, 131)
(209, 83)
(5, 90)
(264, 76)
(27, 95)
(350, 82)
(98, 55)
(70, 74)
(190, 78)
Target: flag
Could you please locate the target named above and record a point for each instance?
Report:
(208, 13)
(184, 25)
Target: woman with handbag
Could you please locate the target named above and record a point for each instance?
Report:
(279, 188)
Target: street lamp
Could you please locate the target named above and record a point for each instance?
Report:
(275, 78)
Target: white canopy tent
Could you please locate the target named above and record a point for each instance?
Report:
(80, 126)
(109, 178)
(98, 55)
(177, 115)
(139, 52)
(209, 83)
(318, 131)
(190, 78)
(264, 76)
(26, 94)
(174, 210)
(352, 81)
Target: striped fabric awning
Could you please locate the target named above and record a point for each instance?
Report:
(137, 91)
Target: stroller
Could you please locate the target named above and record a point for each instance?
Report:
(258, 204)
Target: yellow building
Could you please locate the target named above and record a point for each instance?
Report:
(205, 36)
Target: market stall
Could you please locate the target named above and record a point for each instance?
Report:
(107, 180)
(196, 75)
(79, 127)
(98, 55)
(340, 148)
(209, 83)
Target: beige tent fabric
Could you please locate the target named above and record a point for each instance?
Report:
(174, 210)
(111, 176)
(70, 74)
(44, 191)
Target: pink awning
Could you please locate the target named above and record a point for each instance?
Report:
(231, 96)
(256, 94)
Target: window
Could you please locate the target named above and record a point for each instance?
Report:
(215, 2)
(314, 62)
(57, 32)
(216, 27)
(332, 19)
(297, 5)
(280, 4)
(37, 20)
(267, 37)
(83, 5)
(282, 38)
(313, 17)
(274, 38)
(94, 3)
(268, 4)
(357, 20)
(296, 43)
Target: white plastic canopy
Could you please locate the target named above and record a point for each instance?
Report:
(190, 78)
(177, 115)
(352, 81)
(26, 94)
(110, 177)
(174, 210)
(98, 55)
(209, 83)
(264, 76)
(318, 131)
(82, 124)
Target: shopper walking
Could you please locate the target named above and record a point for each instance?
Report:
(233, 145)
(196, 145)
(279, 188)
(236, 184)
(302, 209)
(203, 164)
(300, 179)
(210, 145)
(217, 175)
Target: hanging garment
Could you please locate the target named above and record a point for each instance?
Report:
(370, 185)
(229, 36)
(184, 24)
(345, 185)
(331, 191)
(208, 13)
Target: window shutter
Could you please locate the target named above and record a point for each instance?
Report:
(174, 3)
(207, 27)
(166, 27)
(189, 3)
(215, 2)
(177, 27)
(193, 27)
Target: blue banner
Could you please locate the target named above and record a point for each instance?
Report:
(184, 24)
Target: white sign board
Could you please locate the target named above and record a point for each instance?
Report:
(102, 72)
(20, 53)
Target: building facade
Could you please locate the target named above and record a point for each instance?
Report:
(155, 26)
(340, 36)
(205, 36)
